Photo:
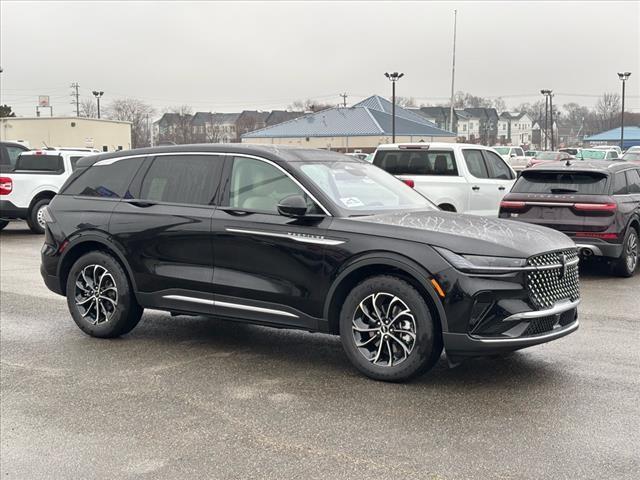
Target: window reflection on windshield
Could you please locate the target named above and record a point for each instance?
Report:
(363, 187)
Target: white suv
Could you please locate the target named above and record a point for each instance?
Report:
(457, 177)
(37, 177)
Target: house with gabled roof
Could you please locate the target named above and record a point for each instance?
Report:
(362, 127)
(515, 129)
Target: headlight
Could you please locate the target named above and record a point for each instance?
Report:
(480, 263)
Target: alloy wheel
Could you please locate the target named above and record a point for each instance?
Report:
(40, 216)
(384, 329)
(632, 251)
(96, 294)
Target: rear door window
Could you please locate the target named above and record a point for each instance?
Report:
(106, 181)
(184, 179)
(475, 163)
(417, 162)
(633, 181)
(496, 167)
(586, 183)
(620, 184)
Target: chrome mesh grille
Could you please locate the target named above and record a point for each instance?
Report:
(546, 287)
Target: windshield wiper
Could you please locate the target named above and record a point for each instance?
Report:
(563, 190)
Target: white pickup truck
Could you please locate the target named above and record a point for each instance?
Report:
(37, 177)
(457, 177)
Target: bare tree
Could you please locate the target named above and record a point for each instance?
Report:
(182, 123)
(88, 108)
(138, 113)
(499, 104)
(308, 106)
(607, 107)
(406, 102)
(464, 100)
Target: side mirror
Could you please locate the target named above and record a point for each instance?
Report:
(293, 206)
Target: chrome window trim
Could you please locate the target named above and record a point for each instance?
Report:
(318, 240)
(109, 161)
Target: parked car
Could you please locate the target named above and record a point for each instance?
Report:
(306, 239)
(597, 203)
(36, 178)
(514, 156)
(573, 151)
(9, 153)
(633, 149)
(633, 156)
(599, 154)
(455, 176)
(608, 147)
(544, 157)
(359, 155)
(530, 153)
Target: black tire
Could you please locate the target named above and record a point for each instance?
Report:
(35, 213)
(120, 314)
(424, 349)
(627, 264)
(3, 223)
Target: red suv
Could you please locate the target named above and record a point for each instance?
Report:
(596, 203)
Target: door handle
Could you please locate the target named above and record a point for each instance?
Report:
(501, 188)
(475, 188)
(141, 203)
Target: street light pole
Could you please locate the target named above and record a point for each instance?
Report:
(98, 95)
(623, 76)
(393, 77)
(551, 118)
(547, 96)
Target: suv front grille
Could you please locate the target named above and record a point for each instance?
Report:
(546, 287)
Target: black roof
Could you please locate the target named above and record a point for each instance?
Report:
(602, 166)
(276, 153)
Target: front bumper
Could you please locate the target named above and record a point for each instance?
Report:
(9, 211)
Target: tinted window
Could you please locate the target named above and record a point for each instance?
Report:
(497, 168)
(44, 163)
(14, 153)
(620, 184)
(257, 185)
(74, 161)
(416, 162)
(588, 183)
(519, 152)
(633, 181)
(108, 181)
(189, 179)
(475, 163)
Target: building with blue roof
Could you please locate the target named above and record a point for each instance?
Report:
(362, 127)
(612, 137)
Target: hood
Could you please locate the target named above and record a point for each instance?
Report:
(470, 234)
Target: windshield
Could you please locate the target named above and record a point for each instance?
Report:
(588, 183)
(594, 154)
(547, 156)
(502, 150)
(362, 187)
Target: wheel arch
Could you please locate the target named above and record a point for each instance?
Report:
(381, 264)
(39, 196)
(85, 244)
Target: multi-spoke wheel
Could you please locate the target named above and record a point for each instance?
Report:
(96, 294)
(100, 297)
(35, 218)
(388, 331)
(626, 265)
(384, 329)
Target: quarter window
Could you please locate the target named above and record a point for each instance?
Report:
(258, 186)
(620, 184)
(187, 179)
(633, 179)
(107, 181)
(475, 163)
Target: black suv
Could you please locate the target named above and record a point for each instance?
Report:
(306, 239)
(597, 203)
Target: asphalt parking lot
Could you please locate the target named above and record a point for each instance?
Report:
(193, 397)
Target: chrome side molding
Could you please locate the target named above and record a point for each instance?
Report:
(298, 237)
(237, 306)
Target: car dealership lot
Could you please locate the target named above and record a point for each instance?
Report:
(193, 397)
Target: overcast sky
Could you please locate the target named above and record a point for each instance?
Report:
(219, 56)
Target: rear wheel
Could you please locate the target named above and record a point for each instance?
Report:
(626, 265)
(100, 297)
(387, 330)
(35, 219)
(3, 223)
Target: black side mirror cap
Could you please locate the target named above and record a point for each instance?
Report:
(293, 206)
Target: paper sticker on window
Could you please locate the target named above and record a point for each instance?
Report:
(352, 202)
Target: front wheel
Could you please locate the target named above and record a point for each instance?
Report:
(100, 297)
(388, 331)
(626, 265)
(35, 219)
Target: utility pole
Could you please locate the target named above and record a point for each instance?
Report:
(76, 95)
(453, 69)
(344, 99)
